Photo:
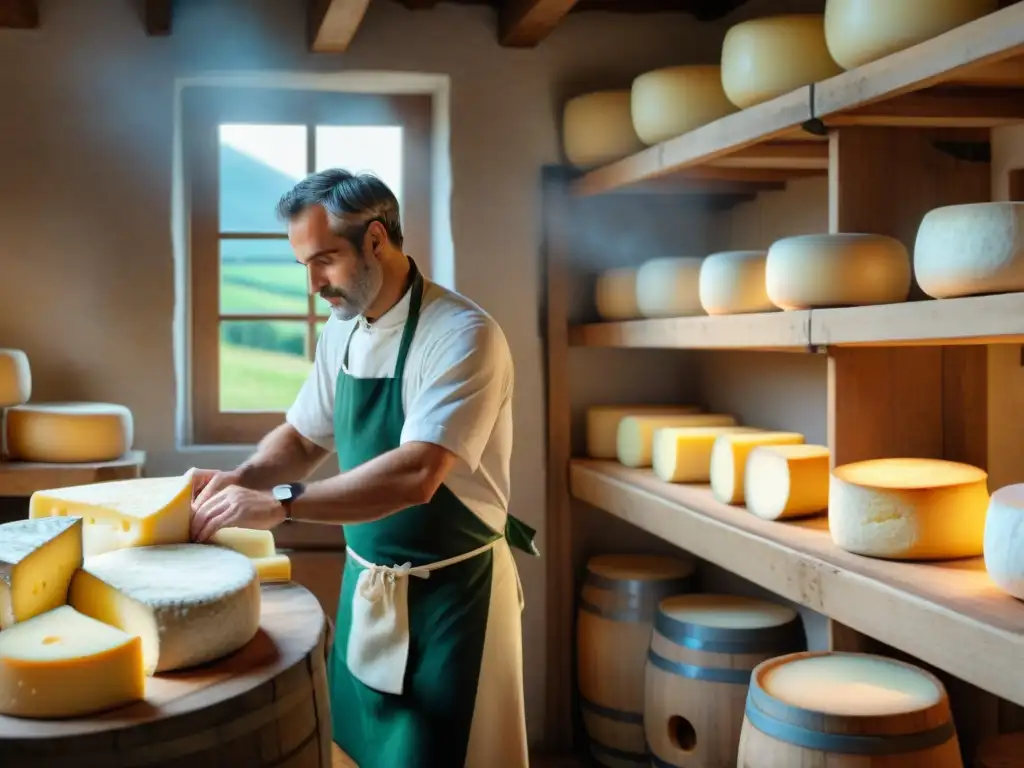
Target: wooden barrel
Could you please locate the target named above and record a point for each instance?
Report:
(618, 601)
(703, 651)
(264, 705)
(846, 710)
(1006, 751)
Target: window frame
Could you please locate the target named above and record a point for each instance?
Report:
(204, 109)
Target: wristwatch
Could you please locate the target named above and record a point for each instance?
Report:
(286, 494)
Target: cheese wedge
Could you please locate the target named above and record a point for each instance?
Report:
(683, 454)
(271, 569)
(784, 481)
(635, 438)
(729, 460)
(246, 541)
(37, 560)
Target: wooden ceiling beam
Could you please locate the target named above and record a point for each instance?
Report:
(524, 23)
(19, 14)
(157, 17)
(333, 24)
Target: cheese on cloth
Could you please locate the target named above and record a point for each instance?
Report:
(248, 541)
(615, 294)
(275, 568)
(908, 509)
(782, 481)
(732, 283)
(15, 378)
(729, 460)
(767, 57)
(683, 454)
(123, 513)
(62, 664)
(669, 287)
(597, 128)
(671, 101)
(860, 31)
(841, 270)
(190, 603)
(37, 560)
(635, 439)
(964, 250)
(603, 424)
(69, 433)
(1004, 539)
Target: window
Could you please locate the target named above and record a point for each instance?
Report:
(254, 324)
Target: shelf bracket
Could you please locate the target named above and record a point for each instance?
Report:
(968, 151)
(815, 126)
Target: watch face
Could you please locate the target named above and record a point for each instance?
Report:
(282, 492)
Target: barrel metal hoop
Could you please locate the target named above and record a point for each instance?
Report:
(641, 598)
(620, 754)
(784, 638)
(618, 715)
(708, 674)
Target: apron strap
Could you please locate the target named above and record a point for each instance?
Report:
(415, 301)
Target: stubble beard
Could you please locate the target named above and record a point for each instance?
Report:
(358, 298)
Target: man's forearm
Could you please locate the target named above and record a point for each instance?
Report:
(283, 456)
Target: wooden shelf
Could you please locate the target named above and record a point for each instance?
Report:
(935, 612)
(23, 478)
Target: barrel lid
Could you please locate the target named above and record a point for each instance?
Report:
(641, 567)
(726, 611)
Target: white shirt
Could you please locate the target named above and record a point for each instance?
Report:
(457, 391)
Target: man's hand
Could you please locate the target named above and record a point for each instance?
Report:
(236, 506)
(208, 482)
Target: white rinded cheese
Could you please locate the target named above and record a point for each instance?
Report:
(837, 270)
(62, 664)
(1004, 539)
(615, 294)
(908, 509)
(37, 560)
(860, 31)
(783, 481)
(672, 101)
(190, 603)
(851, 684)
(726, 611)
(69, 433)
(275, 568)
(597, 128)
(964, 250)
(767, 57)
(15, 378)
(732, 283)
(669, 287)
(123, 513)
(729, 460)
(683, 454)
(248, 541)
(603, 424)
(635, 440)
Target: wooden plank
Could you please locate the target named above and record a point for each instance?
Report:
(931, 611)
(764, 331)
(23, 478)
(19, 14)
(940, 107)
(524, 23)
(158, 17)
(798, 155)
(333, 23)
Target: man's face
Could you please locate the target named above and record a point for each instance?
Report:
(347, 279)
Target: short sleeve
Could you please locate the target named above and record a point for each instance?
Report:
(465, 378)
(312, 413)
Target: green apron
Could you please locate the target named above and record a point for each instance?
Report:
(428, 723)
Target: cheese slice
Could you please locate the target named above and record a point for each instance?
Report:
(909, 509)
(123, 513)
(15, 378)
(1004, 539)
(69, 433)
(683, 454)
(62, 664)
(729, 460)
(635, 439)
(190, 603)
(603, 424)
(247, 541)
(275, 568)
(37, 560)
(783, 481)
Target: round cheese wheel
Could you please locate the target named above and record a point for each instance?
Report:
(597, 128)
(964, 250)
(859, 31)
(765, 58)
(603, 424)
(671, 101)
(732, 283)
(908, 509)
(1004, 539)
(615, 294)
(839, 270)
(69, 433)
(15, 378)
(669, 287)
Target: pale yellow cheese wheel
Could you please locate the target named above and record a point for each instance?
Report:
(15, 378)
(767, 57)
(669, 287)
(837, 270)
(729, 460)
(603, 424)
(732, 283)
(615, 294)
(69, 433)
(860, 31)
(597, 128)
(683, 454)
(635, 438)
(671, 101)
(783, 481)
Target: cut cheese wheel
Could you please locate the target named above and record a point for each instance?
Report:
(850, 684)
(635, 439)
(123, 513)
(671, 101)
(597, 128)
(838, 270)
(275, 568)
(603, 424)
(190, 603)
(1004, 539)
(732, 283)
(37, 560)
(908, 509)
(767, 57)
(783, 481)
(615, 294)
(69, 433)
(729, 460)
(62, 664)
(683, 454)
(860, 31)
(965, 250)
(15, 378)
(669, 287)
(247, 541)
